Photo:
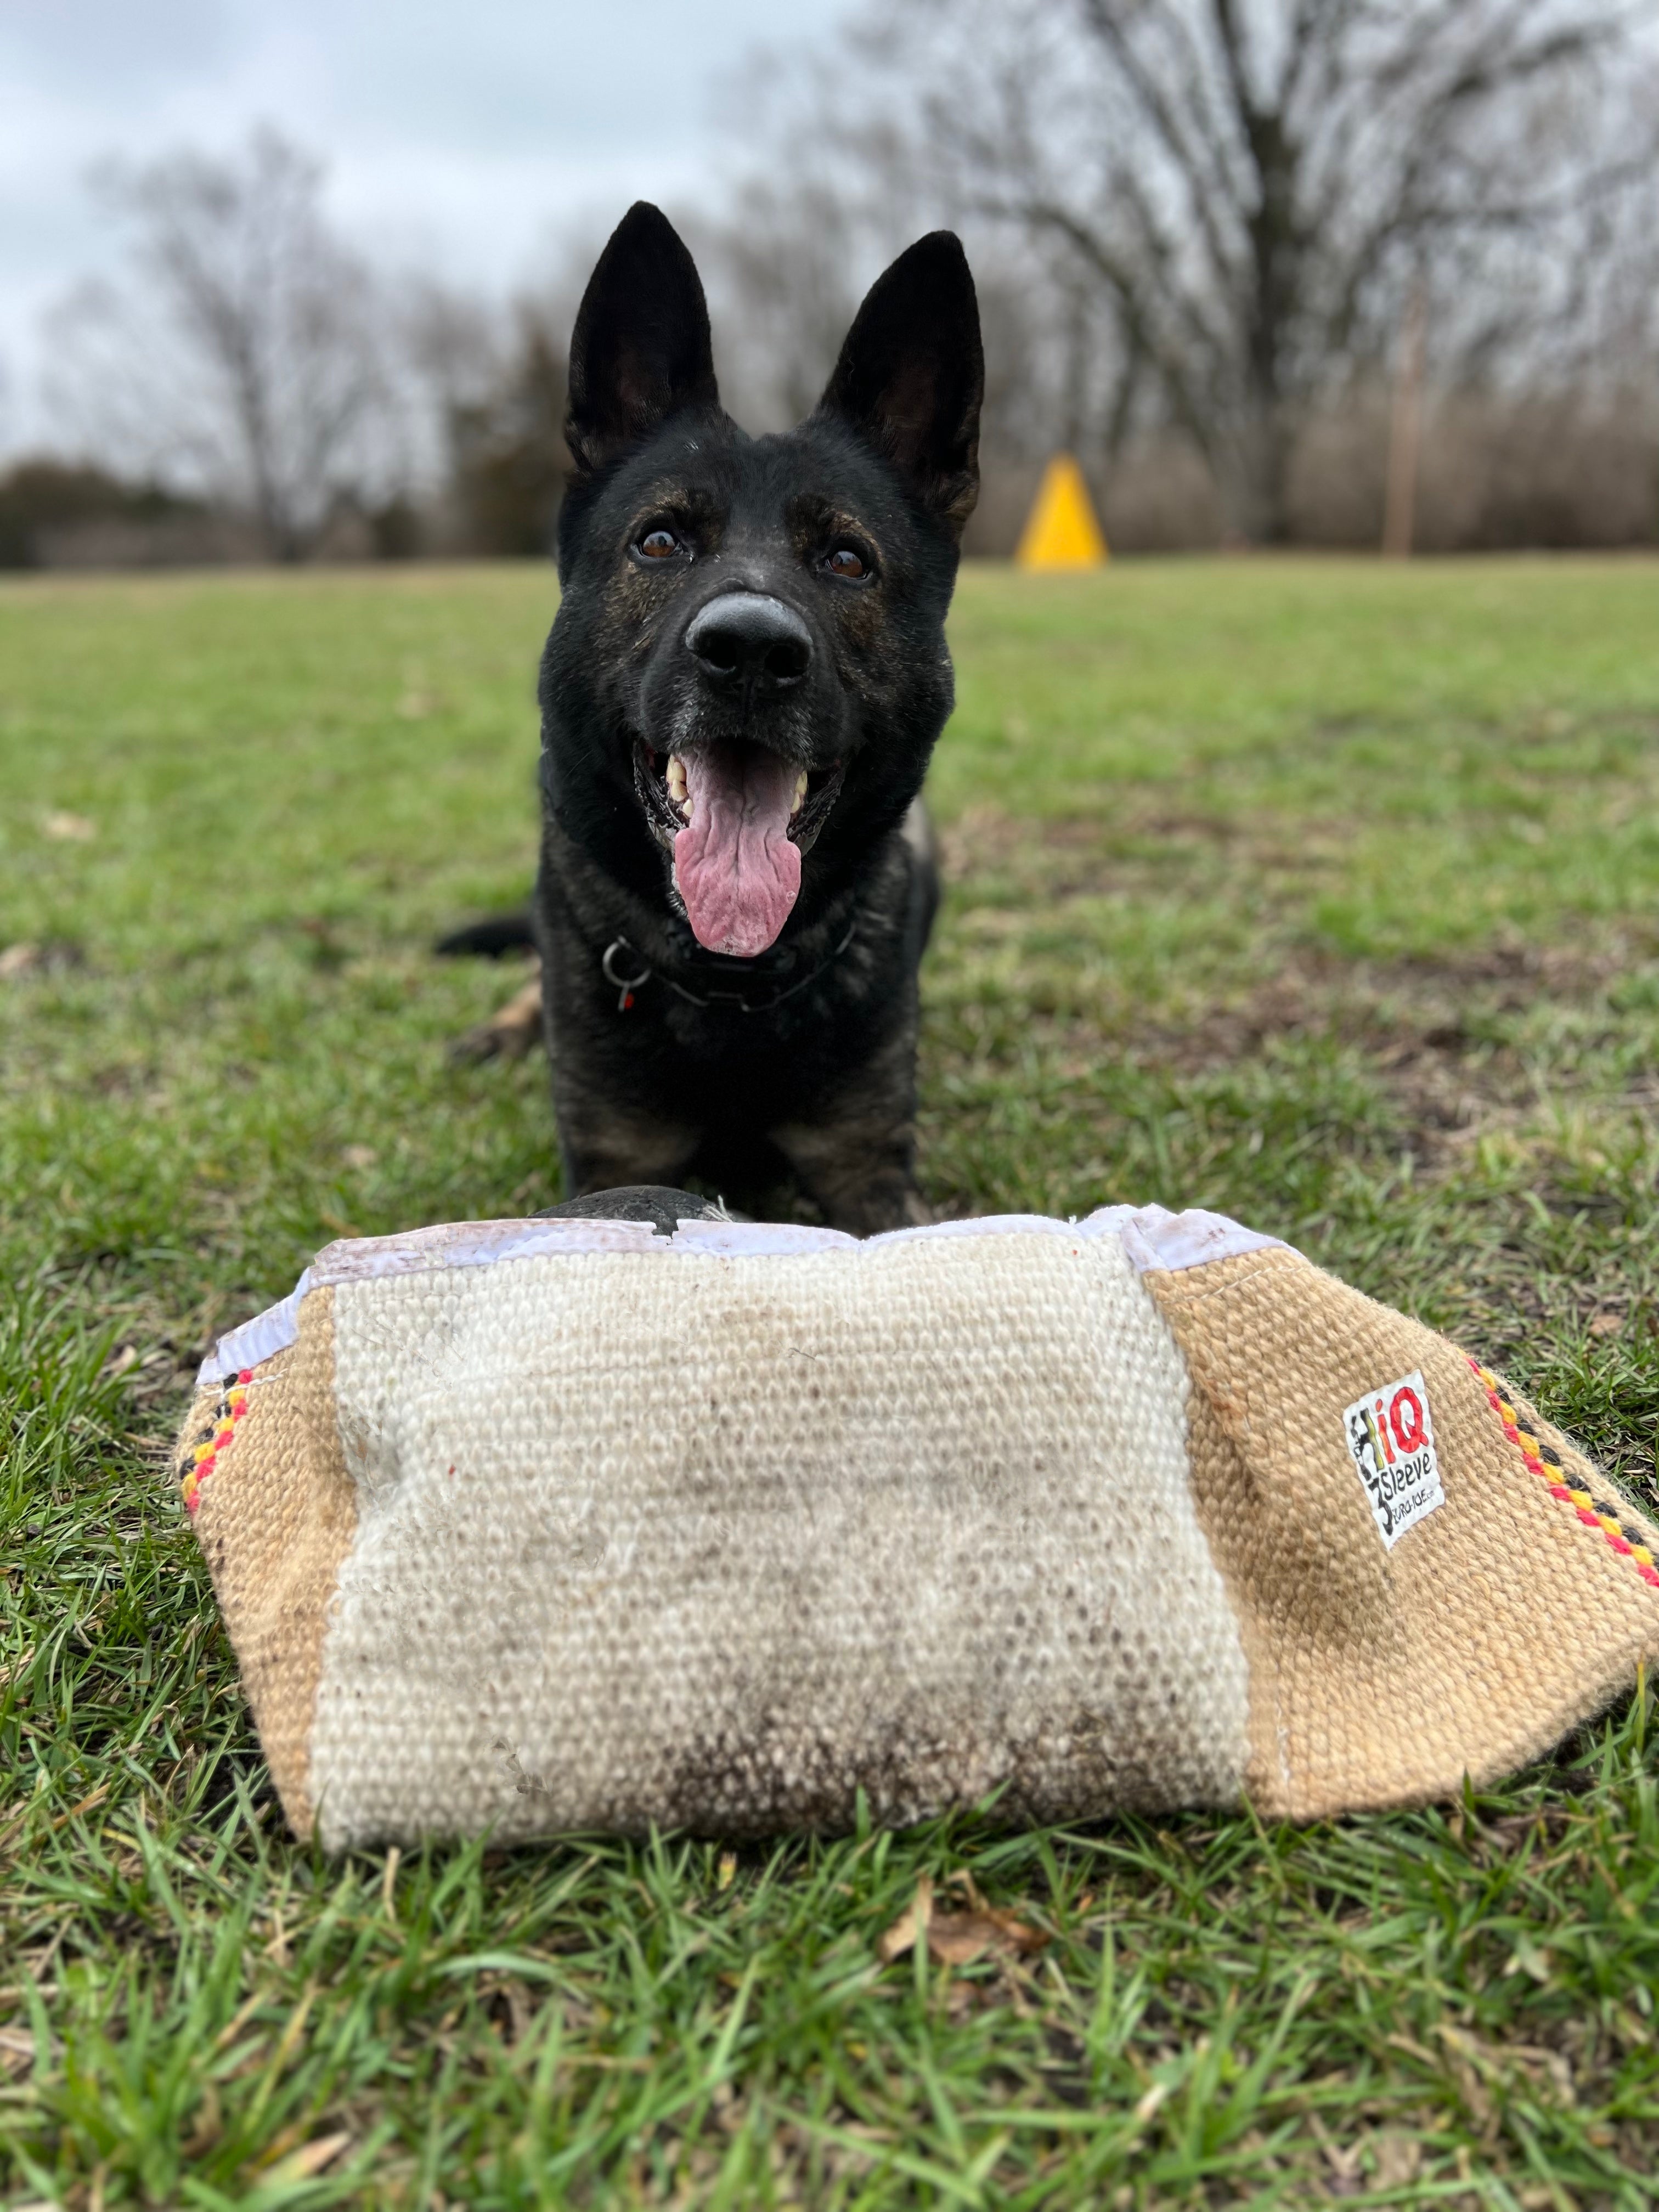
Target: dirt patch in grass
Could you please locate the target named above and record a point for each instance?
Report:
(1092, 854)
(1454, 1040)
(1447, 1034)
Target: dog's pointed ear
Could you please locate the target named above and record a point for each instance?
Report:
(640, 350)
(911, 375)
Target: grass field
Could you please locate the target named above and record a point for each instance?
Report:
(1326, 895)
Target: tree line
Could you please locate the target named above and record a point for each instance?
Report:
(1212, 237)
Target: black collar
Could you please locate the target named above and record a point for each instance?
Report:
(620, 949)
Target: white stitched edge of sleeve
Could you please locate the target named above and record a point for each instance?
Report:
(1152, 1237)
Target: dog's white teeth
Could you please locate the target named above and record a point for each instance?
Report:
(800, 793)
(677, 779)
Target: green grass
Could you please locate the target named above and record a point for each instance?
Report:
(1326, 894)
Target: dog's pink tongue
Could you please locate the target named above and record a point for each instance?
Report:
(738, 871)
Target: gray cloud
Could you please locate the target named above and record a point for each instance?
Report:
(465, 136)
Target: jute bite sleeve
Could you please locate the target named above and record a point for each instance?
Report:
(536, 1526)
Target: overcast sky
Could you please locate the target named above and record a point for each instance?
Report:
(459, 134)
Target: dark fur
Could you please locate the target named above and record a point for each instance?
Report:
(821, 1083)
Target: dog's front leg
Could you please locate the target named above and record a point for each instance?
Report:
(606, 1146)
(857, 1158)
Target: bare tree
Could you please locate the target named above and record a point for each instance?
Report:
(788, 261)
(243, 350)
(1252, 187)
(783, 270)
(508, 457)
(453, 343)
(489, 381)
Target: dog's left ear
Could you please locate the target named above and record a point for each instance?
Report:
(911, 375)
(640, 350)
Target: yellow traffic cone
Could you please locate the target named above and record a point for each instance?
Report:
(1060, 531)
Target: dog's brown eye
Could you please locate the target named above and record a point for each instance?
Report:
(657, 544)
(844, 562)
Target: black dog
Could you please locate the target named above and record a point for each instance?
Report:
(739, 696)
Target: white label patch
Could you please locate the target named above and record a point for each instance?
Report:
(1390, 1437)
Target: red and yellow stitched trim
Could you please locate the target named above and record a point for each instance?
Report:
(1544, 1459)
(202, 1456)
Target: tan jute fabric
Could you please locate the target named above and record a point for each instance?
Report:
(275, 1521)
(1382, 1677)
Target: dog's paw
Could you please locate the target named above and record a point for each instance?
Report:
(511, 1032)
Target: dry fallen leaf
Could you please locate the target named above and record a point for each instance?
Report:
(900, 1937)
(47, 956)
(1398, 2159)
(311, 2158)
(1607, 1324)
(73, 826)
(16, 2049)
(956, 1939)
(1150, 2103)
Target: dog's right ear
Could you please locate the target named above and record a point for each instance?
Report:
(640, 350)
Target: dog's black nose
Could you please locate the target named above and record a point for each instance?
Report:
(744, 637)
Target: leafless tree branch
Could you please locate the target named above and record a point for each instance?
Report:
(255, 360)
